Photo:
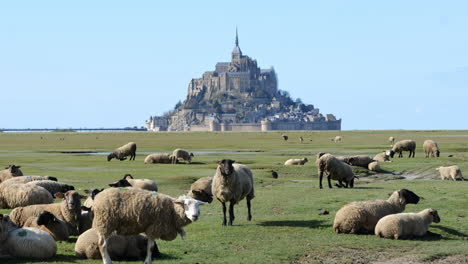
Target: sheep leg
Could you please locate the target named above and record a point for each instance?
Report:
(149, 250)
(329, 181)
(224, 214)
(321, 176)
(351, 183)
(249, 214)
(103, 249)
(231, 213)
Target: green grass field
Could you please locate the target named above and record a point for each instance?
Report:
(286, 225)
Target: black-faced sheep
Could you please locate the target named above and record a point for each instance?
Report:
(52, 186)
(129, 181)
(285, 137)
(403, 145)
(335, 170)
(406, 225)
(201, 189)
(383, 156)
(10, 172)
(359, 160)
(46, 221)
(122, 152)
(181, 154)
(430, 148)
(290, 162)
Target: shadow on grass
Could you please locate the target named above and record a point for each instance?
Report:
(197, 163)
(56, 258)
(451, 231)
(367, 188)
(296, 223)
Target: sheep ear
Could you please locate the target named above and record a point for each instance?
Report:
(59, 195)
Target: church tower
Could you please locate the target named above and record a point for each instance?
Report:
(236, 52)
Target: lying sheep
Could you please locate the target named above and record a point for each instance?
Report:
(337, 139)
(201, 190)
(52, 186)
(29, 243)
(181, 154)
(430, 148)
(26, 179)
(403, 145)
(406, 225)
(361, 217)
(383, 156)
(85, 220)
(10, 172)
(290, 162)
(335, 170)
(359, 160)
(14, 195)
(285, 137)
(450, 173)
(47, 222)
(68, 210)
(374, 166)
(119, 247)
(160, 158)
(129, 181)
(232, 183)
(133, 211)
(391, 140)
(122, 152)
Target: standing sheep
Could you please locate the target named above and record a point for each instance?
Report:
(391, 140)
(160, 158)
(337, 139)
(181, 154)
(430, 148)
(383, 156)
(10, 172)
(406, 225)
(129, 181)
(14, 195)
(450, 173)
(231, 183)
(121, 153)
(290, 162)
(335, 170)
(361, 217)
(201, 190)
(46, 221)
(403, 145)
(285, 137)
(133, 211)
(301, 139)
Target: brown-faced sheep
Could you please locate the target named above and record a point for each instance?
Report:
(403, 145)
(335, 170)
(406, 225)
(201, 189)
(290, 162)
(122, 152)
(10, 172)
(450, 173)
(129, 181)
(430, 148)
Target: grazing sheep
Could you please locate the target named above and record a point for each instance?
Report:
(336, 170)
(26, 179)
(285, 137)
(201, 190)
(91, 194)
(133, 211)
(14, 195)
(29, 243)
(450, 173)
(274, 174)
(129, 181)
(46, 221)
(406, 225)
(181, 154)
(119, 247)
(68, 210)
(52, 186)
(160, 158)
(359, 217)
(121, 153)
(391, 140)
(337, 139)
(374, 166)
(359, 160)
(231, 183)
(10, 172)
(383, 156)
(403, 145)
(296, 161)
(430, 148)
(301, 139)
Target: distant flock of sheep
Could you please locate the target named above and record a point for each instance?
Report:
(122, 222)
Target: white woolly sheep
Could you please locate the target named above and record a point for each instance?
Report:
(359, 160)
(181, 154)
(450, 173)
(201, 190)
(403, 145)
(337, 139)
(14, 195)
(29, 243)
(119, 247)
(26, 179)
(383, 156)
(133, 211)
(232, 183)
(391, 140)
(164, 158)
(335, 170)
(129, 181)
(301, 139)
(46, 221)
(431, 148)
(122, 152)
(290, 162)
(361, 217)
(10, 172)
(406, 225)
(52, 186)
(374, 166)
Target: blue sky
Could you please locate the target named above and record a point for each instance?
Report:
(375, 64)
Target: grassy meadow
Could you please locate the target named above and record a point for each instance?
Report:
(287, 226)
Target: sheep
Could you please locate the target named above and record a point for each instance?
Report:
(68, 210)
(201, 190)
(119, 247)
(359, 160)
(359, 217)
(301, 139)
(85, 220)
(133, 211)
(296, 161)
(91, 194)
(26, 179)
(450, 173)
(374, 166)
(30, 243)
(406, 225)
(285, 137)
(46, 221)
(430, 148)
(391, 140)
(403, 145)
(122, 152)
(129, 181)
(160, 158)
(383, 156)
(14, 195)
(232, 183)
(10, 172)
(181, 154)
(52, 186)
(274, 174)
(337, 139)
(336, 170)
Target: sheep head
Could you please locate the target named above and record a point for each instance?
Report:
(226, 167)
(120, 183)
(408, 196)
(201, 195)
(110, 156)
(437, 153)
(93, 192)
(435, 215)
(72, 199)
(191, 207)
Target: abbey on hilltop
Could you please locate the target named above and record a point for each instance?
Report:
(239, 96)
